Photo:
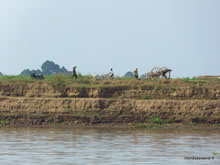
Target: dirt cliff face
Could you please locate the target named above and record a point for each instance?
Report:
(148, 91)
(42, 103)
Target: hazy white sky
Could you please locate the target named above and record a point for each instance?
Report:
(97, 35)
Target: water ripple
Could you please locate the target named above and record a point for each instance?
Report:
(106, 146)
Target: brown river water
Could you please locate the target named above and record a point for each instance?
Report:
(108, 146)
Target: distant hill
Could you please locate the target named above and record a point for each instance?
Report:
(47, 68)
(28, 72)
(1, 74)
(129, 74)
(143, 76)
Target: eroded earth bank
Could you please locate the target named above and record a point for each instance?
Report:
(121, 102)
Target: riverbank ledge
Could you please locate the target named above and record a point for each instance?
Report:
(42, 103)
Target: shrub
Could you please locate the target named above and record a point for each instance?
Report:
(155, 120)
(4, 121)
(186, 79)
(168, 121)
(194, 78)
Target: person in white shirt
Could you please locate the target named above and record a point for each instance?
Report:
(111, 74)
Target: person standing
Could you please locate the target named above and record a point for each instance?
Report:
(111, 74)
(74, 72)
(136, 73)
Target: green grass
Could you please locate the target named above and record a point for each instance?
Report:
(17, 78)
(4, 121)
(188, 78)
(60, 80)
(168, 121)
(140, 125)
(155, 120)
(91, 114)
(147, 97)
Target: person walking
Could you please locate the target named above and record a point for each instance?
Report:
(74, 72)
(111, 74)
(136, 73)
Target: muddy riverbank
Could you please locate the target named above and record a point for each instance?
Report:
(70, 111)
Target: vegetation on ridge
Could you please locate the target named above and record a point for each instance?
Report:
(87, 80)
